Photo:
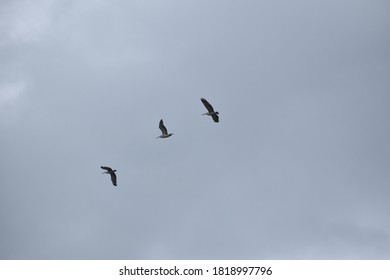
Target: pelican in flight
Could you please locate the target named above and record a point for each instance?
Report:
(210, 110)
(111, 172)
(164, 130)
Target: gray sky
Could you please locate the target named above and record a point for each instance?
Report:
(297, 168)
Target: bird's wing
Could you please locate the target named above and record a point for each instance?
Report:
(207, 105)
(162, 127)
(215, 117)
(109, 169)
(113, 178)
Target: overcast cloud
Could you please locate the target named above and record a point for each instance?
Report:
(297, 168)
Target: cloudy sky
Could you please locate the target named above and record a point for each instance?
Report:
(297, 168)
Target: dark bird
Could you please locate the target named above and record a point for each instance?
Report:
(111, 172)
(210, 110)
(164, 130)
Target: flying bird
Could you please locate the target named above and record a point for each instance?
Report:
(210, 110)
(164, 130)
(111, 172)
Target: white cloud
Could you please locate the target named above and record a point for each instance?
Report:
(9, 96)
(10, 93)
(25, 21)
